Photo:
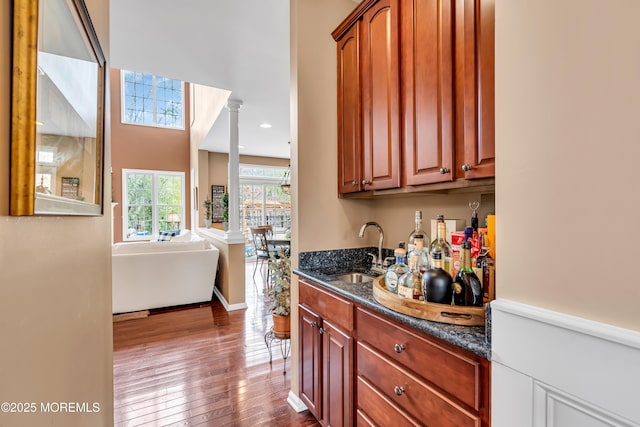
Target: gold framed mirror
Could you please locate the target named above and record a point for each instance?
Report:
(57, 110)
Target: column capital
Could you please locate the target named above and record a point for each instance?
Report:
(234, 104)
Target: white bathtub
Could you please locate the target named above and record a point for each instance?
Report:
(149, 275)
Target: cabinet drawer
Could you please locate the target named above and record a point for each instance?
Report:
(452, 372)
(410, 393)
(377, 409)
(326, 304)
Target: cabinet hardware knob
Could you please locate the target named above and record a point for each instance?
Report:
(313, 324)
(354, 183)
(467, 167)
(399, 390)
(444, 171)
(399, 348)
(322, 330)
(365, 182)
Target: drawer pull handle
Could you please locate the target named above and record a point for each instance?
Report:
(322, 330)
(399, 390)
(399, 348)
(313, 324)
(455, 315)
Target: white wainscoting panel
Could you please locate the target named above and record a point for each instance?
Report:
(551, 369)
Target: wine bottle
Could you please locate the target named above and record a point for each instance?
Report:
(395, 271)
(467, 289)
(439, 219)
(441, 245)
(437, 284)
(485, 265)
(416, 231)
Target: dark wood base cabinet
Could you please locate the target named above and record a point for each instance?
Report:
(326, 355)
(358, 367)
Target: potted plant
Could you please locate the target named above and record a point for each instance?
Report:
(208, 206)
(279, 293)
(225, 211)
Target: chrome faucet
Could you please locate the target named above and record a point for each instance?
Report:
(376, 262)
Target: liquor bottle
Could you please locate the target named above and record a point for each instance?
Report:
(441, 245)
(467, 289)
(410, 283)
(439, 219)
(421, 253)
(486, 267)
(395, 271)
(437, 284)
(416, 231)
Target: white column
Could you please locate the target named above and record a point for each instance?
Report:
(233, 105)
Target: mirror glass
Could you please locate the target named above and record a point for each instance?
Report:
(57, 110)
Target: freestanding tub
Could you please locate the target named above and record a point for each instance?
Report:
(149, 275)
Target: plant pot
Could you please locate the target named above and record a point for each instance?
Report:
(226, 226)
(207, 223)
(281, 326)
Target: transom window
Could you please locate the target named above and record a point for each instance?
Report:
(153, 201)
(152, 100)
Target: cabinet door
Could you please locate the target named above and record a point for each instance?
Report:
(475, 67)
(427, 90)
(380, 96)
(309, 363)
(337, 354)
(349, 118)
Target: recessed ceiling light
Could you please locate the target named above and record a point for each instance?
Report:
(265, 125)
(241, 146)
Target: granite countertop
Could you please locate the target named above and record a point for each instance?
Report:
(470, 338)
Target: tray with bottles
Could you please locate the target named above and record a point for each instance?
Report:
(443, 313)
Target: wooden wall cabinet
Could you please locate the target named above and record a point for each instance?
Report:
(349, 118)
(369, 100)
(427, 91)
(475, 85)
(326, 355)
(415, 93)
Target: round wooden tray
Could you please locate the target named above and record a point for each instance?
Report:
(443, 313)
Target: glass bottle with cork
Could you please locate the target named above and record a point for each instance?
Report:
(467, 289)
(410, 283)
(417, 231)
(442, 246)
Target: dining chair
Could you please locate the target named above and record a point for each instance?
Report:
(263, 251)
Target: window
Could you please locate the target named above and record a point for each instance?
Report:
(152, 100)
(262, 200)
(153, 201)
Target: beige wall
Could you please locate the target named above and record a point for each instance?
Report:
(55, 293)
(231, 269)
(567, 103)
(146, 147)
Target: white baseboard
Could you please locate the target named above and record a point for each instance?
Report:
(552, 369)
(294, 401)
(227, 306)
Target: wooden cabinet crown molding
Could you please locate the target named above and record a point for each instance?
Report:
(351, 19)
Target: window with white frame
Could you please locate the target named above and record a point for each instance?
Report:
(153, 201)
(262, 199)
(152, 100)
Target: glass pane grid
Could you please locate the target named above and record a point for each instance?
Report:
(152, 100)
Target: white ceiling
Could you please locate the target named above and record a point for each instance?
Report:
(237, 45)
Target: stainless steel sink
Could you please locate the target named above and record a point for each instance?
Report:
(354, 278)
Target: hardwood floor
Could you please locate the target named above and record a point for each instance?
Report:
(202, 366)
